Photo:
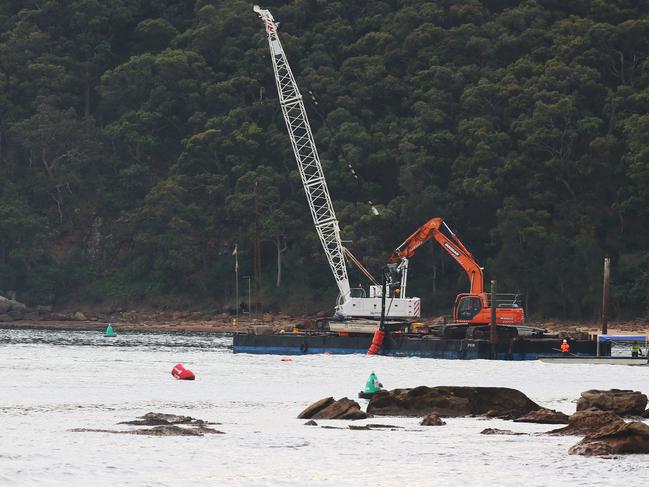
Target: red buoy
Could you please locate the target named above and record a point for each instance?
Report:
(377, 341)
(181, 373)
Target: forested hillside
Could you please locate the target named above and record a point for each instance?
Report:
(139, 138)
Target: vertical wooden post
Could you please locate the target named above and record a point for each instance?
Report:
(256, 273)
(607, 276)
(493, 334)
(384, 291)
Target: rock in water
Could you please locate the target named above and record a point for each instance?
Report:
(155, 419)
(329, 408)
(545, 416)
(163, 425)
(341, 409)
(587, 422)
(452, 401)
(167, 430)
(616, 438)
(621, 402)
(496, 431)
(432, 419)
(316, 407)
(163, 430)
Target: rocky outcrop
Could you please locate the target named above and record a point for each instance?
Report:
(496, 431)
(5, 305)
(316, 407)
(163, 425)
(613, 439)
(544, 416)
(14, 310)
(156, 419)
(620, 402)
(329, 408)
(452, 401)
(163, 430)
(432, 419)
(384, 426)
(587, 422)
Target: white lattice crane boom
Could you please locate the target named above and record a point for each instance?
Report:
(317, 193)
(307, 158)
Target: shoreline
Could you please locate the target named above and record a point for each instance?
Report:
(284, 323)
(202, 326)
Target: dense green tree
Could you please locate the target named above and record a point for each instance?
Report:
(140, 140)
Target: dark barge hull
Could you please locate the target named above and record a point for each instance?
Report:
(408, 346)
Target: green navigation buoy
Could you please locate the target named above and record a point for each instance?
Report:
(371, 386)
(109, 331)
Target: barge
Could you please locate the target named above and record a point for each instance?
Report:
(412, 345)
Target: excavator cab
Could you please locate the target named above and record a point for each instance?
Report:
(475, 309)
(467, 307)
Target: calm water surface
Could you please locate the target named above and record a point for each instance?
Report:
(55, 381)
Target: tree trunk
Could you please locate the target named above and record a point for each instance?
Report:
(280, 250)
(279, 262)
(48, 168)
(86, 99)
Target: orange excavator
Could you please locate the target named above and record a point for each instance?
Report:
(473, 307)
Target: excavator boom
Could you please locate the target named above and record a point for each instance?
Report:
(449, 242)
(473, 307)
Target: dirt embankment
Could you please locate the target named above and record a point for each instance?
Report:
(133, 320)
(632, 327)
(138, 320)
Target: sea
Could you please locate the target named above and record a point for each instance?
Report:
(57, 381)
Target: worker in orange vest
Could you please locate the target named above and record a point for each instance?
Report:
(565, 348)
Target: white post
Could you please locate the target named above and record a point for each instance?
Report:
(236, 285)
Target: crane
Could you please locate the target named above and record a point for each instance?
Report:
(352, 303)
(472, 307)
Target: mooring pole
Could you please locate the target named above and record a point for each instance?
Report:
(493, 335)
(607, 277)
(384, 289)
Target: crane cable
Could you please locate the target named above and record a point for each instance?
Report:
(375, 212)
(360, 266)
(359, 183)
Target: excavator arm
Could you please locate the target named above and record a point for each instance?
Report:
(449, 242)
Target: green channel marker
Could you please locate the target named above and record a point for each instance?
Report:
(109, 331)
(372, 385)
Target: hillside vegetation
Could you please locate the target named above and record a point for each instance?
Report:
(139, 138)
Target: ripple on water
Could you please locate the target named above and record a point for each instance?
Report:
(64, 380)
